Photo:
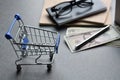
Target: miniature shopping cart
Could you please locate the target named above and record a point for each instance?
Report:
(33, 46)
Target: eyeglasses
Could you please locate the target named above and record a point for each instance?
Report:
(65, 8)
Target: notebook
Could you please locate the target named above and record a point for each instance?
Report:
(117, 12)
(103, 18)
(77, 13)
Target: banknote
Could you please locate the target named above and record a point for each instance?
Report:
(76, 30)
(76, 35)
(115, 43)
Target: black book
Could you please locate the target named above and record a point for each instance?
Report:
(117, 12)
(77, 12)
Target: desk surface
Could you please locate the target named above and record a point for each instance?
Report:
(101, 63)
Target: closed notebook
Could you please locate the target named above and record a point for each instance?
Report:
(117, 12)
(78, 13)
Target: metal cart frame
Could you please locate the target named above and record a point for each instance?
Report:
(32, 42)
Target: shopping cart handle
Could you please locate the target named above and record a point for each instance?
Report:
(8, 34)
(57, 43)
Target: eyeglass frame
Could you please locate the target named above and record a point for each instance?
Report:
(72, 3)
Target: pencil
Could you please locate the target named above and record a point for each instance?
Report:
(101, 31)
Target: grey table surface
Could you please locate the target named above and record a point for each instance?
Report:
(100, 63)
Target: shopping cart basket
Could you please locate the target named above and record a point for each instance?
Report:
(32, 44)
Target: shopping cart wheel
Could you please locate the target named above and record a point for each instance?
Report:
(49, 66)
(18, 68)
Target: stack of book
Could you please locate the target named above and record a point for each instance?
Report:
(100, 14)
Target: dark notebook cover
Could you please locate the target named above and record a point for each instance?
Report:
(117, 12)
(78, 13)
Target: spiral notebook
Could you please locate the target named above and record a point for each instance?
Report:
(98, 7)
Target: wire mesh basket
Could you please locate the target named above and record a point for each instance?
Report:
(32, 44)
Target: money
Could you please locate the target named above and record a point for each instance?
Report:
(77, 30)
(115, 43)
(76, 35)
